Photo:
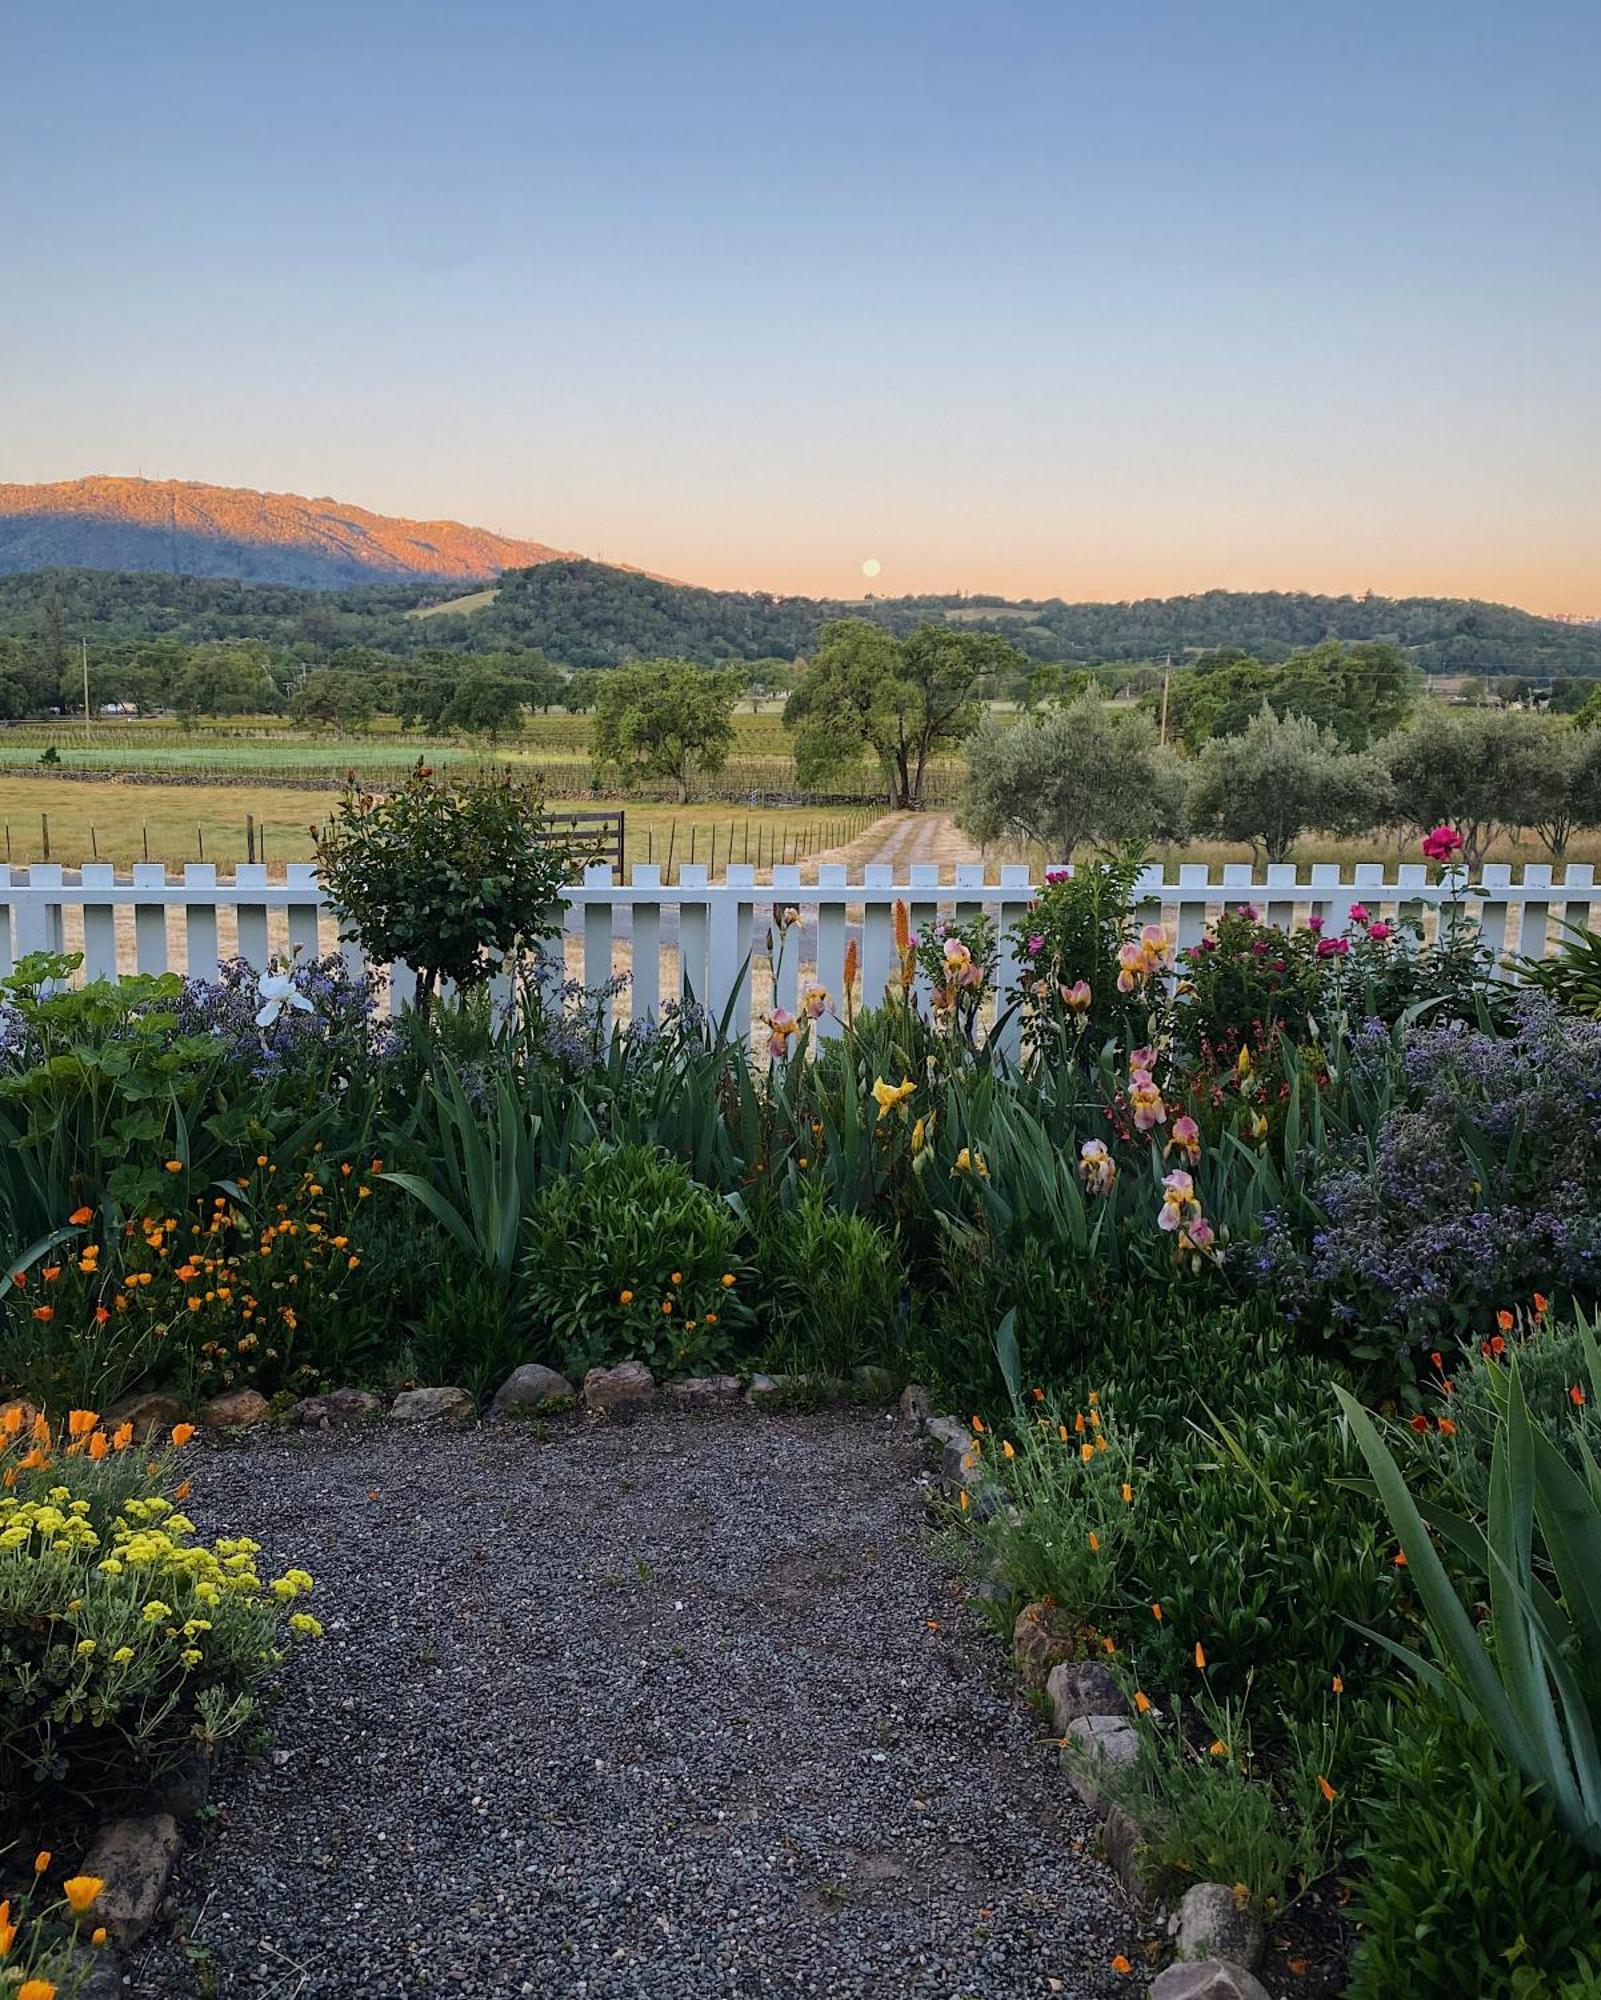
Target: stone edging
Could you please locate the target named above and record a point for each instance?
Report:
(1218, 1941)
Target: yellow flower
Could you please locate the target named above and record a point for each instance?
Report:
(122, 1656)
(1006, 1448)
(175, 1166)
(971, 1163)
(81, 1892)
(36, 1989)
(41, 1861)
(1142, 1702)
(888, 1095)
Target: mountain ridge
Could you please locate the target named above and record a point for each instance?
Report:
(193, 528)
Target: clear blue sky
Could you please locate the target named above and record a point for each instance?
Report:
(1097, 299)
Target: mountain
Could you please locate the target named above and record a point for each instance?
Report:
(184, 528)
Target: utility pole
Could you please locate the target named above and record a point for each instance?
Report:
(84, 643)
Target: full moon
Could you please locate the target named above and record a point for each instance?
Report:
(872, 566)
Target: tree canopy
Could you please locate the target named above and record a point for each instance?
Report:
(1083, 774)
(1283, 776)
(664, 719)
(898, 700)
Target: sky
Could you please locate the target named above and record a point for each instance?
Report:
(1038, 297)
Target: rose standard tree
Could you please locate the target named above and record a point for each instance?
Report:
(452, 880)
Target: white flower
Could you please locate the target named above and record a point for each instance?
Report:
(277, 991)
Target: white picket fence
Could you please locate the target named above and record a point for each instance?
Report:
(720, 940)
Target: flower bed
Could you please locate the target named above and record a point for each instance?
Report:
(1223, 1187)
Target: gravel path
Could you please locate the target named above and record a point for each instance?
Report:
(680, 1708)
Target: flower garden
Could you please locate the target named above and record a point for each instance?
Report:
(1263, 1287)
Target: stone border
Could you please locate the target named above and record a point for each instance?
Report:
(1218, 1940)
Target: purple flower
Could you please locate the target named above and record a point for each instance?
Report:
(1036, 944)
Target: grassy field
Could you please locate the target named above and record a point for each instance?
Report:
(111, 819)
(551, 749)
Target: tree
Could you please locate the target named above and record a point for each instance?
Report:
(227, 679)
(450, 880)
(664, 719)
(485, 703)
(1083, 773)
(1478, 769)
(1285, 776)
(899, 699)
(1567, 793)
(580, 690)
(1360, 692)
(346, 700)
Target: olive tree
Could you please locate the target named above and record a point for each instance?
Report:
(1477, 769)
(1283, 776)
(1086, 773)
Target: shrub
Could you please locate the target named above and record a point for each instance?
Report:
(1467, 1885)
(628, 1258)
(121, 1635)
(1479, 1184)
(832, 1283)
(451, 880)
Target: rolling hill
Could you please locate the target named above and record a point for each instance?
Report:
(187, 529)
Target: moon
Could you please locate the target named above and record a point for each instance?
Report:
(872, 566)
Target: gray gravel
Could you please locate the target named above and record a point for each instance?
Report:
(685, 1707)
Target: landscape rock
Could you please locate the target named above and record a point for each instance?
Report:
(706, 1392)
(1042, 1635)
(532, 1387)
(960, 1456)
(915, 1405)
(1094, 1746)
(1127, 1853)
(764, 1389)
(133, 1857)
(150, 1412)
(445, 1405)
(234, 1409)
(1082, 1687)
(339, 1408)
(619, 1391)
(1217, 1922)
(1209, 1979)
